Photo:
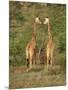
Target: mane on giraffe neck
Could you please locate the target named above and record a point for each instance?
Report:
(34, 27)
(49, 31)
(33, 33)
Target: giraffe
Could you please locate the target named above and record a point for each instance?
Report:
(31, 46)
(50, 45)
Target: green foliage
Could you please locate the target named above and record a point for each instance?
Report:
(21, 26)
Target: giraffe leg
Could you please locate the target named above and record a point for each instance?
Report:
(27, 58)
(47, 59)
(47, 62)
(30, 64)
(51, 59)
(31, 59)
(34, 59)
(34, 56)
(27, 63)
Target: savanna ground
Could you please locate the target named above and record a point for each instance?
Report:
(20, 31)
(37, 77)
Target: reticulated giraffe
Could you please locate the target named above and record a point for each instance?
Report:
(50, 45)
(31, 46)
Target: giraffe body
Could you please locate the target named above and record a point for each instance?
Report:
(31, 47)
(50, 44)
(30, 52)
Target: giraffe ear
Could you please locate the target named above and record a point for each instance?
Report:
(37, 20)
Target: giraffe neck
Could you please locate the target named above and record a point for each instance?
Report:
(49, 31)
(34, 27)
(33, 33)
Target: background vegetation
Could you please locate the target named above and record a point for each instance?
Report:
(21, 19)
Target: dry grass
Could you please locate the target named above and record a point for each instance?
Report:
(37, 77)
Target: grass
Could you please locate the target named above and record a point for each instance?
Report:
(39, 76)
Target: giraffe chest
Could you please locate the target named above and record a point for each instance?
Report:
(32, 45)
(50, 44)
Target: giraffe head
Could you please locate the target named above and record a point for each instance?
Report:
(37, 20)
(46, 20)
